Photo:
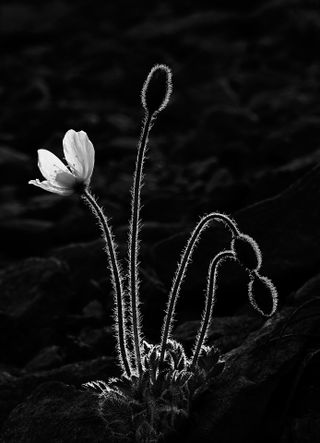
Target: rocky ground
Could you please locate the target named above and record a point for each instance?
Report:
(241, 135)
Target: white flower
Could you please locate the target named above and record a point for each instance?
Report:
(65, 180)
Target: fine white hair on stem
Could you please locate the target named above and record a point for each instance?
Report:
(182, 267)
(133, 249)
(152, 106)
(117, 282)
(209, 303)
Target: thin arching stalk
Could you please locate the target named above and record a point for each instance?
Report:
(116, 278)
(209, 303)
(181, 271)
(134, 243)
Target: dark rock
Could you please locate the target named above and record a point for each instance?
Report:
(94, 309)
(15, 166)
(225, 332)
(14, 389)
(73, 373)
(47, 358)
(286, 228)
(226, 123)
(22, 235)
(246, 391)
(166, 208)
(89, 271)
(302, 412)
(303, 430)
(95, 341)
(84, 259)
(56, 412)
(10, 394)
(254, 386)
(33, 294)
(35, 290)
(45, 206)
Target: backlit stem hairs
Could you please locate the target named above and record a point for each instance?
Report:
(181, 271)
(155, 95)
(134, 245)
(209, 303)
(120, 326)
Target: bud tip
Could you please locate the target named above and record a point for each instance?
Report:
(263, 295)
(157, 89)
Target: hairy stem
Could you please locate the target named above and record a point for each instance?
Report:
(116, 278)
(209, 303)
(134, 243)
(181, 271)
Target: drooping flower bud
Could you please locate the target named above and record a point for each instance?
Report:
(247, 252)
(262, 294)
(157, 89)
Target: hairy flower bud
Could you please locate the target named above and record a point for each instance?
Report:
(247, 252)
(157, 89)
(262, 294)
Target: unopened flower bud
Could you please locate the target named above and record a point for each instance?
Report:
(263, 295)
(157, 89)
(247, 252)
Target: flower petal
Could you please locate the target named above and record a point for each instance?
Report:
(54, 170)
(79, 153)
(48, 186)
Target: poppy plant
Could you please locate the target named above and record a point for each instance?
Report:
(158, 381)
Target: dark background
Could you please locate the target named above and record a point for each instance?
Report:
(242, 125)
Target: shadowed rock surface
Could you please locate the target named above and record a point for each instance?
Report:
(251, 400)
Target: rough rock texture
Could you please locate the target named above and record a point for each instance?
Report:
(249, 401)
(252, 400)
(56, 412)
(16, 386)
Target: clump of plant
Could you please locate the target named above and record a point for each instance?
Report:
(157, 381)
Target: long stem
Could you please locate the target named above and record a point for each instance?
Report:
(209, 303)
(134, 243)
(120, 326)
(181, 271)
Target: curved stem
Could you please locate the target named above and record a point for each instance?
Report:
(134, 243)
(210, 299)
(181, 271)
(116, 278)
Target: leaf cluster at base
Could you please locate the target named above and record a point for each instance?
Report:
(151, 407)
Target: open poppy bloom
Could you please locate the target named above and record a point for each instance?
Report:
(65, 180)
